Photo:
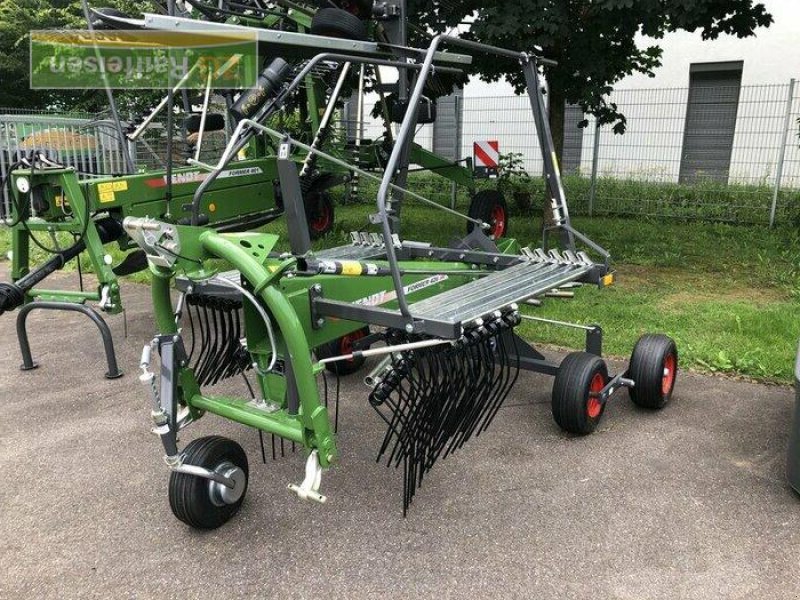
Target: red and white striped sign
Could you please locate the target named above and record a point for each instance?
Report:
(487, 154)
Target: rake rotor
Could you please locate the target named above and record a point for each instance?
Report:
(435, 399)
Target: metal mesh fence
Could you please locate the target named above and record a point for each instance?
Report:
(643, 171)
(751, 147)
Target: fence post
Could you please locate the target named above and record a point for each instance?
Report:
(782, 152)
(595, 156)
(456, 147)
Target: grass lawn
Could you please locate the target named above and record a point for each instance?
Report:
(729, 295)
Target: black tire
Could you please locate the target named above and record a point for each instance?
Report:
(339, 346)
(319, 214)
(574, 410)
(653, 368)
(191, 498)
(338, 23)
(490, 207)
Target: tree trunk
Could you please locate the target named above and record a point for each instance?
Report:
(555, 116)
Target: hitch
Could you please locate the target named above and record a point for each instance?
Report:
(308, 489)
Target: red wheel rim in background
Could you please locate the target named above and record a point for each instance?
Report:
(594, 407)
(346, 343)
(668, 378)
(322, 220)
(498, 218)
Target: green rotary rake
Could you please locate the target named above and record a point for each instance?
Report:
(440, 319)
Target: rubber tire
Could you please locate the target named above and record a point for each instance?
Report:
(571, 392)
(338, 23)
(647, 370)
(334, 348)
(481, 207)
(315, 203)
(188, 495)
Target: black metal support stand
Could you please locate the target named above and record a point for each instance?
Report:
(25, 347)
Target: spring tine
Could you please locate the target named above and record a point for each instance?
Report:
(204, 342)
(433, 400)
(515, 371)
(261, 441)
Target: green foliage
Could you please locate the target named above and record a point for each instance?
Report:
(513, 178)
(594, 41)
(17, 19)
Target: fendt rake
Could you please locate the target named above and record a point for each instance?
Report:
(440, 319)
(50, 195)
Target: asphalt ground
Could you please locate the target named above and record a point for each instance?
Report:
(688, 502)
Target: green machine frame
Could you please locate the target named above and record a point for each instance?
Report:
(56, 201)
(296, 303)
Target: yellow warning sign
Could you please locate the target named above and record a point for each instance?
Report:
(120, 186)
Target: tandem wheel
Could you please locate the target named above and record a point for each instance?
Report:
(653, 368)
(490, 207)
(581, 376)
(202, 503)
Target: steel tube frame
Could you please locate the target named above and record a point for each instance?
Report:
(240, 138)
(25, 347)
(405, 137)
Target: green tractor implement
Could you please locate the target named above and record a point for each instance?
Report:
(440, 319)
(49, 198)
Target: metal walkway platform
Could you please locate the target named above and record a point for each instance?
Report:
(497, 291)
(449, 313)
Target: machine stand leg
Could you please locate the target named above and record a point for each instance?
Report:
(25, 347)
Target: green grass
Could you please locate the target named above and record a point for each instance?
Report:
(730, 295)
(699, 201)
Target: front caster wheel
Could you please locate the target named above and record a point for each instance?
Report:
(580, 377)
(653, 368)
(339, 347)
(200, 502)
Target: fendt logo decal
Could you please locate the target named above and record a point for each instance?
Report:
(198, 176)
(385, 296)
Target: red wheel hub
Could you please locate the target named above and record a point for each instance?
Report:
(321, 220)
(346, 342)
(668, 378)
(498, 221)
(594, 407)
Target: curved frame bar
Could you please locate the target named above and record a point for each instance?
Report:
(236, 144)
(314, 414)
(403, 140)
(25, 347)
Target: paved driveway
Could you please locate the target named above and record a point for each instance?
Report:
(690, 502)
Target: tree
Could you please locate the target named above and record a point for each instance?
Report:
(17, 19)
(594, 41)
